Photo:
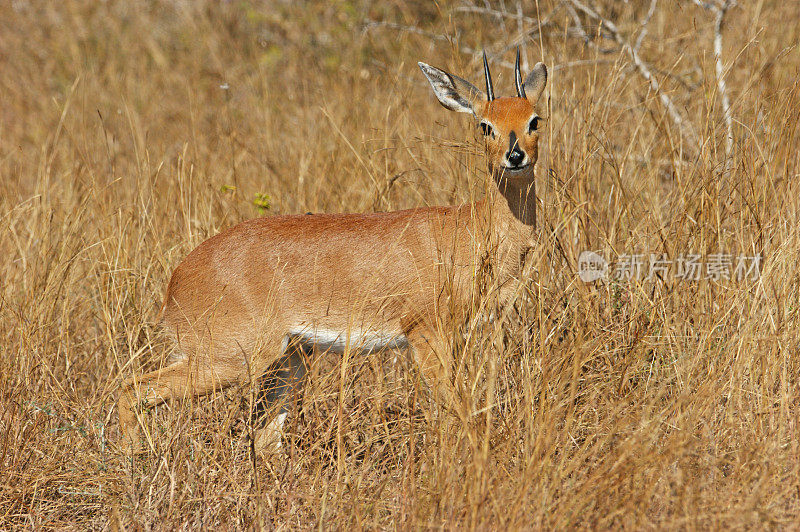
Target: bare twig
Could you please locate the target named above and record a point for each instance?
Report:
(579, 26)
(493, 12)
(581, 33)
(705, 5)
(501, 18)
(723, 93)
(719, 10)
(644, 70)
(369, 24)
(645, 22)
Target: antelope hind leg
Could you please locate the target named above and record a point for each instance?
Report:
(179, 380)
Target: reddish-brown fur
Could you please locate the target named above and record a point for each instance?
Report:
(233, 301)
(508, 114)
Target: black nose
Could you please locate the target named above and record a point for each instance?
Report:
(515, 157)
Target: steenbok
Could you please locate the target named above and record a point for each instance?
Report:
(243, 300)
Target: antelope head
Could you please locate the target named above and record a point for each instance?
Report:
(510, 126)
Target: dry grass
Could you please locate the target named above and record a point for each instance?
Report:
(651, 404)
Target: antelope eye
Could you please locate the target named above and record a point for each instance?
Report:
(487, 129)
(533, 125)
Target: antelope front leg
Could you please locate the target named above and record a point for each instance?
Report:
(433, 358)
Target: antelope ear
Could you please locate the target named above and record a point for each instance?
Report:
(453, 92)
(535, 82)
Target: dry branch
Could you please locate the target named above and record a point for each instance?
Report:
(721, 10)
(644, 69)
(645, 22)
(369, 24)
(493, 12)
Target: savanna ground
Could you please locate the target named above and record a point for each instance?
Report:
(132, 131)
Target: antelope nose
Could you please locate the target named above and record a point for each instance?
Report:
(515, 157)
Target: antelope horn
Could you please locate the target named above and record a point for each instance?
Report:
(518, 78)
(488, 75)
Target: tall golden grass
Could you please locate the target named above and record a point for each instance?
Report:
(132, 131)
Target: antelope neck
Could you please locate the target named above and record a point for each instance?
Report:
(516, 195)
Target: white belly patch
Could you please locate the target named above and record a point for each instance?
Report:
(361, 340)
